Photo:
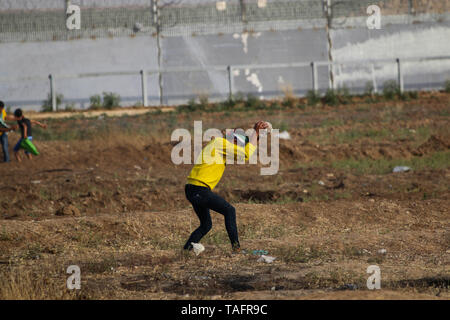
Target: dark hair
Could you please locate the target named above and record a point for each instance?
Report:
(2, 104)
(18, 113)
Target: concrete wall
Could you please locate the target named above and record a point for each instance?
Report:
(37, 59)
(303, 40)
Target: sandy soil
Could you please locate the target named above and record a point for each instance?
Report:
(115, 207)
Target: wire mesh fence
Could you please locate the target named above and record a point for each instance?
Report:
(40, 20)
(34, 20)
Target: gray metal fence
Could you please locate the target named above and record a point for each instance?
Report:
(42, 20)
(311, 68)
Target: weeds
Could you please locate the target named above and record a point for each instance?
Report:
(391, 89)
(95, 102)
(435, 161)
(110, 100)
(447, 86)
(312, 97)
(47, 105)
(23, 284)
(369, 89)
(331, 98)
(300, 254)
(252, 102)
(4, 236)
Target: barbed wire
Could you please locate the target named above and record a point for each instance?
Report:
(23, 20)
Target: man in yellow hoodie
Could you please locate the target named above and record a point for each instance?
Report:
(4, 129)
(205, 175)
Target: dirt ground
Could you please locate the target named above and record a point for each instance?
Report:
(104, 195)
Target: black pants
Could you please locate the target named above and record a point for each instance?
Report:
(203, 199)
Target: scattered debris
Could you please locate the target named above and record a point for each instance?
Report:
(321, 183)
(260, 252)
(202, 277)
(36, 181)
(382, 251)
(266, 259)
(69, 210)
(137, 167)
(284, 135)
(401, 169)
(348, 286)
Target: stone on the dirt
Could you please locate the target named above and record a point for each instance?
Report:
(382, 251)
(348, 286)
(69, 210)
(266, 259)
(401, 169)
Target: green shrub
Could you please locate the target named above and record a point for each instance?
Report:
(190, 106)
(369, 88)
(275, 105)
(447, 86)
(203, 101)
(252, 101)
(47, 104)
(70, 107)
(96, 102)
(111, 100)
(313, 97)
(225, 105)
(331, 98)
(413, 94)
(288, 102)
(239, 97)
(390, 89)
(344, 95)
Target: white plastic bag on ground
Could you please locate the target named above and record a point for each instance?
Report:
(401, 169)
(198, 248)
(284, 135)
(266, 259)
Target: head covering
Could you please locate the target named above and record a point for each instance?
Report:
(18, 113)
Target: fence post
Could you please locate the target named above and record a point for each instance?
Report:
(144, 88)
(374, 80)
(230, 82)
(52, 91)
(314, 76)
(400, 76)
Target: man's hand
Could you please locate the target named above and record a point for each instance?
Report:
(260, 125)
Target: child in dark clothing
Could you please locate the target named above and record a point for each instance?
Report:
(25, 130)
